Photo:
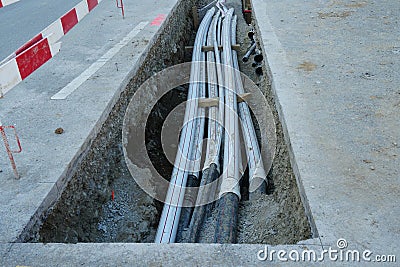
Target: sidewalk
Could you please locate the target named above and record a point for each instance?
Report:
(334, 67)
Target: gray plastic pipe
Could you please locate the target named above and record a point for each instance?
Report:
(226, 226)
(257, 174)
(230, 176)
(194, 171)
(215, 116)
(249, 52)
(211, 166)
(195, 157)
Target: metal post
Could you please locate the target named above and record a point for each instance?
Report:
(121, 6)
(9, 151)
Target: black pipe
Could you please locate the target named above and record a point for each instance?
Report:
(266, 186)
(188, 203)
(258, 58)
(204, 195)
(250, 34)
(259, 71)
(226, 228)
(260, 190)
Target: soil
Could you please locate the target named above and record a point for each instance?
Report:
(278, 217)
(128, 216)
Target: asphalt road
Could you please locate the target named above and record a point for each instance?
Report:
(24, 19)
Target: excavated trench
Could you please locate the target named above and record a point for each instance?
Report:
(103, 203)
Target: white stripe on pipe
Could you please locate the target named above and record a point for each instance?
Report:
(78, 81)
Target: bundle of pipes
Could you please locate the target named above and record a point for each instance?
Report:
(223, 83)
(211, 169)
(168, 226)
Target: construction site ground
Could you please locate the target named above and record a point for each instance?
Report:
(333, 68)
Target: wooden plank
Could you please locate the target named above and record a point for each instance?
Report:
(213, 102)
(208, 102)
(195, 14)
(243, 97)
(235, 47)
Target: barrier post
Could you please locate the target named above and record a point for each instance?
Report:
(120, 5)
(7, 145)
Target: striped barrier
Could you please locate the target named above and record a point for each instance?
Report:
(11, 72)
(21, 66)
(7, 2)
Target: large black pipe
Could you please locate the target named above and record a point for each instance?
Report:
(226, 227)
(203, 211)
(188, 204)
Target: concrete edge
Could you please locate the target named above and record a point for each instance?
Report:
(149, 254)
(277, 68)
(58, 188)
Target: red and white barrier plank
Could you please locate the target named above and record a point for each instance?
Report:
(17, 66)
(7, 2)
(20, 67)
(59, 27)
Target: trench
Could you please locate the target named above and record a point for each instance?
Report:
(102, 203)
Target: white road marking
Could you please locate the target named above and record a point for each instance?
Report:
(78, 81)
